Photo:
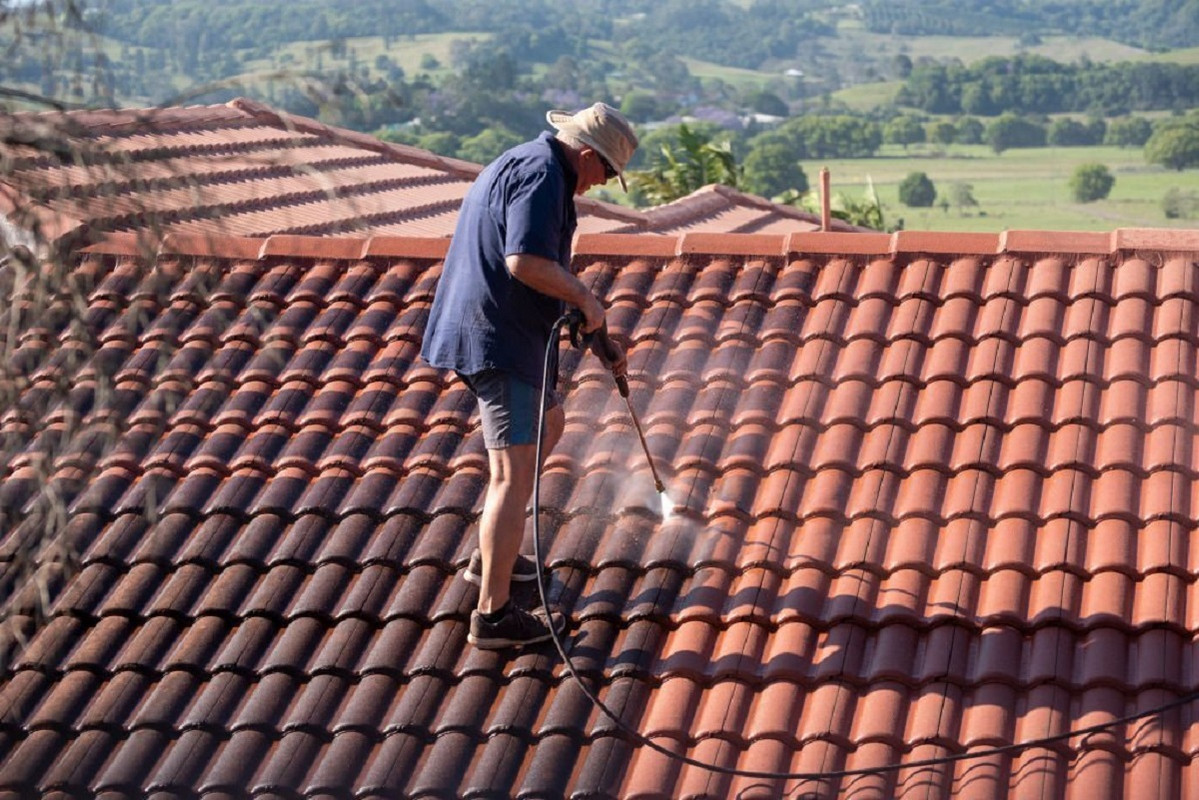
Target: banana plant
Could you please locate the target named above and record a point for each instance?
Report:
(678, 169)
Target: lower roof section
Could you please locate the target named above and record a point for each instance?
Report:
(935, 500)
(245, 169)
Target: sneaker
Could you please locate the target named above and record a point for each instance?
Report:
(516, 628)
(524, 570)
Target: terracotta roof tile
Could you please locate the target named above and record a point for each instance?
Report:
(215, 173)
(933, 499)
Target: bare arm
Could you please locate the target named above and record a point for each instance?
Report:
(548, 277)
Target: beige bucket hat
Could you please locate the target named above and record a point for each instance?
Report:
(602, 128)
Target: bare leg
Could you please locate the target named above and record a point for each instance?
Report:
(502, 524)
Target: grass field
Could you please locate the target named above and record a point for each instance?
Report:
(1067, 49)
(867, 96)
(1016, 190)
(1188, 56)
(407, 51)
(734, 76)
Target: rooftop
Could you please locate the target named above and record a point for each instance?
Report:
(935, 498)
(244, 169)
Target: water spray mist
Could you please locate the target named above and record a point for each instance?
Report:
(608, 352)
(622, 385)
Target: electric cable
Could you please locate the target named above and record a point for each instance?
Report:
(641, 740)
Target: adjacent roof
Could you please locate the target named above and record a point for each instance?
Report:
(936, 497)
(720, 209)
(244, 169)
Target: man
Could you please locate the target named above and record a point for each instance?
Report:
(506, 280)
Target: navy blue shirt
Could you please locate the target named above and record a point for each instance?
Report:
(482, 317)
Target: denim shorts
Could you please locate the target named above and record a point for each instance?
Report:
(508, 407)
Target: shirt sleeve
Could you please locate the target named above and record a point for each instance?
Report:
(533, 214)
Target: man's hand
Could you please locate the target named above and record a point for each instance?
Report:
(620, 364)
(551, 278)
(610, 354)
(593, 313)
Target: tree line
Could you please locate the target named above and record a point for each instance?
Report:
(725, 32)
(489, 98)
(750, 34)
(1035, 84)
(680, 159)
(1144, 23)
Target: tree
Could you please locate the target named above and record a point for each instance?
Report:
(1066, 132)
(442, 143)
(772, 168)
(961, 195)
(976, 99)
(904, 130)
(1179, 204)
(1030, 83)
(492, 70)
(770, 103)
(928, 88)
(639, 106)
(483, 148)
(917, 191)
(668, 74)
(1012, 130)
(1128, 132)
(1091, 182)
(835, 136)
(695, 159)
(942, 132)
(970, 131)
(1175, 146)
(563, 74)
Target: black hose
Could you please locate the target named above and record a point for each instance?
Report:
(642, 741)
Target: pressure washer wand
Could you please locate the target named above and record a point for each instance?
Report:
(603, 346)
(606, 350)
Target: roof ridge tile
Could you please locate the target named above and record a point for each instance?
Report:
(318, 247)
(1168, 240)
(1055, 242)
(406, 247)
(936, 242)
(731, 244)
(627, 245)
(839, 243)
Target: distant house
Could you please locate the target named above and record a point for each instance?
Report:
(764, 120)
